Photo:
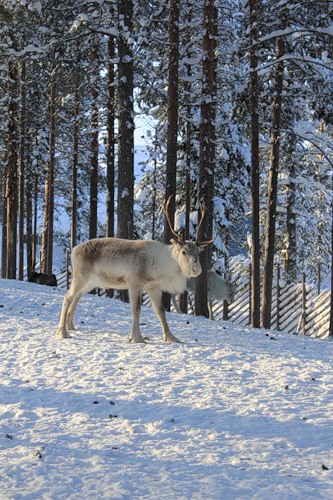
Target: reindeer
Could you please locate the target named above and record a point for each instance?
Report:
(133, 265)
(43, 279)
(218, 288)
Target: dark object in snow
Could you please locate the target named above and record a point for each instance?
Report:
(9, 436)
(95, 402)
(112, 402)
(286, 387)
(113, 416)
(43, 279)
(37, 454)
(54, 355)
(324, 467)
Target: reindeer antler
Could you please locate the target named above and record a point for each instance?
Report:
(203, 211)
(166, 211)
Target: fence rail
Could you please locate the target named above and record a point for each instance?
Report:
(296, 308)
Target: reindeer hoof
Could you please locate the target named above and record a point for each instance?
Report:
(62, 335)
(137, 341)
(172, 338)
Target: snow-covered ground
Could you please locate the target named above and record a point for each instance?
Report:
(230, 413)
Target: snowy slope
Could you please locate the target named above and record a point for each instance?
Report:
(230, 413)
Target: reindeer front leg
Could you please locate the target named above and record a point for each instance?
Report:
(156, 302)
(135, 300)
(71, 311)
(62, 332)
(71, 299)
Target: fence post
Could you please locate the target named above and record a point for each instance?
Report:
(278, 298)
(225, 310)
(303, 304)
(330, 333)
(67, 268)
(319, 278)
(250, 295)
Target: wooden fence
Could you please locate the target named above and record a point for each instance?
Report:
(296, 308)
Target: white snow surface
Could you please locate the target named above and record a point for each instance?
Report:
(232, 412)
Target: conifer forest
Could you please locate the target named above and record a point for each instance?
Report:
(235, 100)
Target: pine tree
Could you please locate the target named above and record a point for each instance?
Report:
(207, 148)
(171, 158)
(94, 143)
(255, 175)
(11, 170)
(125, 122)
(48, 222)
(110, 140)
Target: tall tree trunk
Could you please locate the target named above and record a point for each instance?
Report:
(272, 189)
(183, 298)
(331, 297)
(75, 159)
(125, 123)
(94, 149)
(21, 165)
(29, 240)
(291, 243)
(171, 159)
(47, 234)
(4, 229)
(110, 147)
(35, 216)
(255, 175)
(207, 148)
(11, 181)
(125, 227)
(110, 140)
(153, 208)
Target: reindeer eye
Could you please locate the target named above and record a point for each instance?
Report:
(184, 252)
